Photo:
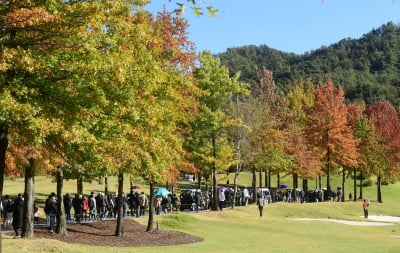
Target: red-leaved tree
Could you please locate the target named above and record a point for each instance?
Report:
(327, 129)
(386, 122)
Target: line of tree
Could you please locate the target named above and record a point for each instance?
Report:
(310, 132)
(96, 88)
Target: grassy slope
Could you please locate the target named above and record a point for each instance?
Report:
(241, 230)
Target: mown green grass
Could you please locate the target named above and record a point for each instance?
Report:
(242, 230)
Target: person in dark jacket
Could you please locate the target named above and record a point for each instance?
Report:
(18, 215)
(67, 206)
(51, 208)
(77, 203)
(7, 211)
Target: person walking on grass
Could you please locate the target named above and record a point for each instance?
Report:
(365, 208)
(260, 202)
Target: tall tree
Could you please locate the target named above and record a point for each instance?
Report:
(30, 33)
(386, 123)
(27, 35)
(327, 129)
(306, 161)
(212, 122)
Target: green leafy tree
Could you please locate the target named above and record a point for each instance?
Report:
(210, 126)
(30, 33)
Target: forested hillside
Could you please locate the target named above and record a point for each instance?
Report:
(368, 68)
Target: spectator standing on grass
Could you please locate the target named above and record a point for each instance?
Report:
(7, 212)
(207, 200)
(110, 205)
(143, 202)
(131, 203)
(92, 207)
(246, 197)
(365, 208)
(99, 206)
(46, 205)
(221, 198)
(124, 205)
(51, 210)
(36, 214)
(136, 200)
(157, 204)
(85, 207)
(77, 203)
(67, 206)
(174, 200)
(165, 204)
(18, 215)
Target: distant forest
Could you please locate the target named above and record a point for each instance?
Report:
(367, 68)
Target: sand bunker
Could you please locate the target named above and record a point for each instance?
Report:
(373, 220)
(384, 218)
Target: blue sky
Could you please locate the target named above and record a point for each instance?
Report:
(296, 26)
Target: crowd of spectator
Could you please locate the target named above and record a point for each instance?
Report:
(93, 207)
(79, 208)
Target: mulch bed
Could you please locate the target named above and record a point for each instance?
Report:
(101, 233)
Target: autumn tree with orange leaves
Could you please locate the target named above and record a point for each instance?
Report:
(28, 32)
(327, 129)
(306, 162)
(98, 84)
(386, 124)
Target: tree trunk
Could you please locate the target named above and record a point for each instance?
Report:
(269, 178)
(206, 178)
(295, 181)
(237, 172)
(106, 185)
(260, 178)
(319, 182)
(328, 177)
(305, 184)
(3, 149)
(343, 181)
(266, 178)
(254, 184)
(61, 227)
(379, 189)
(151, 208)
(328, 169)
(355, 185)
(198, 181)
(120, 221)
(79, 184)
(214, 206)
(234, 189)
(361, 185)
(278, 180)
(28, 220)
(214, 176)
